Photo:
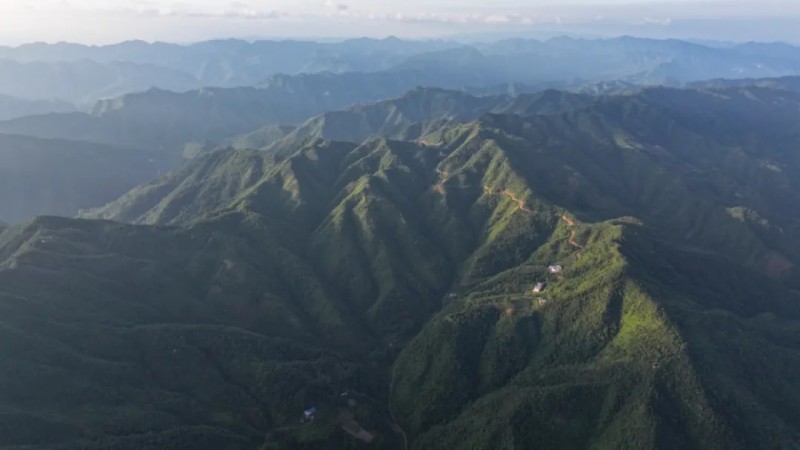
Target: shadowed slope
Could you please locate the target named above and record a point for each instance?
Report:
(409, 267)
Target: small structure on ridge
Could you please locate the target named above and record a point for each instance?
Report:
(310, 414)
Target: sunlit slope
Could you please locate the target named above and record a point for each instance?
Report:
(265, 265)
(633, 345)
(401, 273)
(412, 116)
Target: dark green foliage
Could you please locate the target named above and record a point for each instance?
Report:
(262, 137)
(258, 284)
(412, 116)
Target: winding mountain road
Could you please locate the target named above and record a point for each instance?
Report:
(570, 224)
(510, 195)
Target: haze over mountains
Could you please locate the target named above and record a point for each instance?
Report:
(12, 107)
(358, 227)
(276, 85)
(83, 74)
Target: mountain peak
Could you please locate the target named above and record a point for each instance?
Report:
(442, 269)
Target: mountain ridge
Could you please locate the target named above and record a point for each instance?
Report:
(42, 70)
(12, 107)
(400, 273)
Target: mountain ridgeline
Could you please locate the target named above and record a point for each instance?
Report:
(84, 74)
(410, 116)
(162, 129)
(168, 121)
(379, 264)
(13, 108)
(187, 99)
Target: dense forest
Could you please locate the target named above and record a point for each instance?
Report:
(380, 265)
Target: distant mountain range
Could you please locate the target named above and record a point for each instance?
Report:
(12, 107)
(83, 74)
(167, 121)
(85, 81)
(172, 127)
(791, 83)
(168, 128)
(59, 177)
(233, 63)
(411, 116)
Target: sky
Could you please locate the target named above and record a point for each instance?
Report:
(108, 21)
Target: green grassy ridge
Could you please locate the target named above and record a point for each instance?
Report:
(400, 172)
(463, 345)
(389, 202)
(138, 204)
(604, 165)
(402, 267)
(344, 254)
(484, 170)
(616, 124)
(224, 179)
(723, 312)
(607, 365)
(596, 173)
(414, 115)
(239, 265)
(261, 137)
(389, 118)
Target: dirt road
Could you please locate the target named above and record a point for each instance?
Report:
(570, 224)
(510, 195)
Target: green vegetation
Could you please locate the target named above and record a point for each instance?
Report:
(251, 285)
(412, 116)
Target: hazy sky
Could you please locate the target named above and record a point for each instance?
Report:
(103, 21)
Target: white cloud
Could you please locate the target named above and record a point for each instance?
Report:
(232, 10)
(498, 18)
(655, 21)
(464, 18)
(181, 20)
(336, 6)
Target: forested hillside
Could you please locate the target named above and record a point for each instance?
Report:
(390, 284)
